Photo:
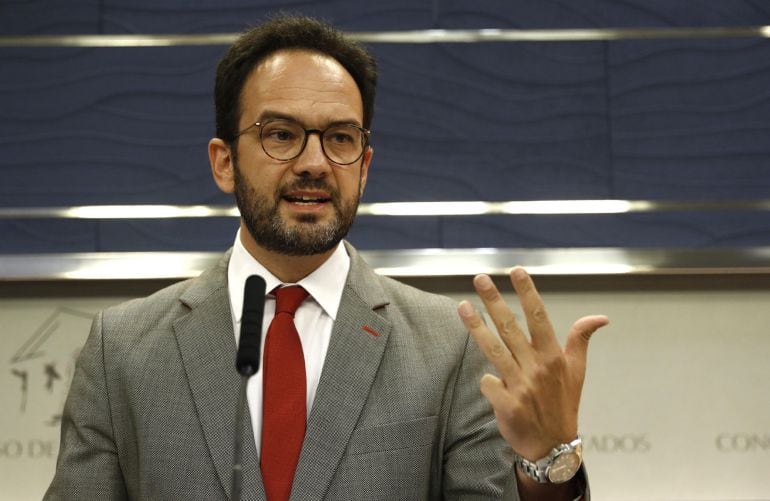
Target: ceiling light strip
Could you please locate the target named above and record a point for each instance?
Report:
(402, 37)
(399, 209)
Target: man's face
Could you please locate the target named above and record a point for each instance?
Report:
(306, 205)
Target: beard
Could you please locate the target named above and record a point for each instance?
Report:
(307, 236)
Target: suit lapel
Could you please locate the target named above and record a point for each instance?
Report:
(357, 344)
(207, 346)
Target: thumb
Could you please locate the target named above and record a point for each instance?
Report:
(580, 333)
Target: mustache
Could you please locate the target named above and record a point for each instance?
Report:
(308, 184)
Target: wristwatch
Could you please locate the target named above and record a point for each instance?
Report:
(559, 466)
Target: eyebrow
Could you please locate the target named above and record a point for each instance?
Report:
(277, 115)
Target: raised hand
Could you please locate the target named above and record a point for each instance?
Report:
(536, 394)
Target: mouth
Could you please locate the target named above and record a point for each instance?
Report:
(307, 200)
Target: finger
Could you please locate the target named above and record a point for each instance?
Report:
(491, 346)
(577, 340)
(540, 328)
(495, 391)
(504, 319)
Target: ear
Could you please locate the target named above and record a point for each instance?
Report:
(222, 165)
(367, 159)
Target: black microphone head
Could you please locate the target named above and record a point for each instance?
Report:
(247, 359)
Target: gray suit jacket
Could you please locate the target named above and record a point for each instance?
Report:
(398, 412)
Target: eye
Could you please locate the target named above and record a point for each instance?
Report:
(281, 132)
(280, 135)
(342, 136)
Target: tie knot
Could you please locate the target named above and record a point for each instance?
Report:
(288, 299)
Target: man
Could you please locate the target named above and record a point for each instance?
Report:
(387, 402)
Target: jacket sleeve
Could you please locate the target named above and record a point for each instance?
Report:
(87, 466)
(477, 460)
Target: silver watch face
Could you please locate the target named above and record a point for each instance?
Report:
(564, 467)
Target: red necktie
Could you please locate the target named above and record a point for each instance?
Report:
(284, 396)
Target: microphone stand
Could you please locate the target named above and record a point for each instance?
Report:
(238, 447)
(247, 363)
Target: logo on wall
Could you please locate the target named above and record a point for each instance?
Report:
(41, 370)
(743, 442)
(609, 443)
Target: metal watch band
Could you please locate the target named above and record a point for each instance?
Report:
(538, 470)
(530, 469)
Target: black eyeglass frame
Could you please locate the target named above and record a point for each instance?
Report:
(307, 132)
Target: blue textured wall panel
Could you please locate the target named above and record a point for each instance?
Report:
(212, 16)
(691, 119)
(490, 122)
(684, 119)
(675, 230)
(211, 234)
(552, 14)
(671, 13)
(101, 126)
(49, 17)
(47, 236)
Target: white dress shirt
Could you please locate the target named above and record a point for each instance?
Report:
(314, 318)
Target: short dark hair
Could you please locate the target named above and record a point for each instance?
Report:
(287, 32)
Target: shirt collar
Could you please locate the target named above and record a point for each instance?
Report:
(324, 285)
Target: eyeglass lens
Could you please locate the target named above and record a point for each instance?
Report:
(285, 140)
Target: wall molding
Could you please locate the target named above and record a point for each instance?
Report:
(403, 37)
(406, 263)
(399, 209)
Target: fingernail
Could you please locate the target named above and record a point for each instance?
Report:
(465, 309)
(483, 282)
(519, 273)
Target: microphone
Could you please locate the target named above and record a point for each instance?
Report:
(247, 364)
(247, 359)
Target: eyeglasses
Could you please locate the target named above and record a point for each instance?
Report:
(285, 140)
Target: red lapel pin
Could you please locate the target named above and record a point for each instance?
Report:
(371, 331)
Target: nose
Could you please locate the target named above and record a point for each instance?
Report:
(312, 160)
